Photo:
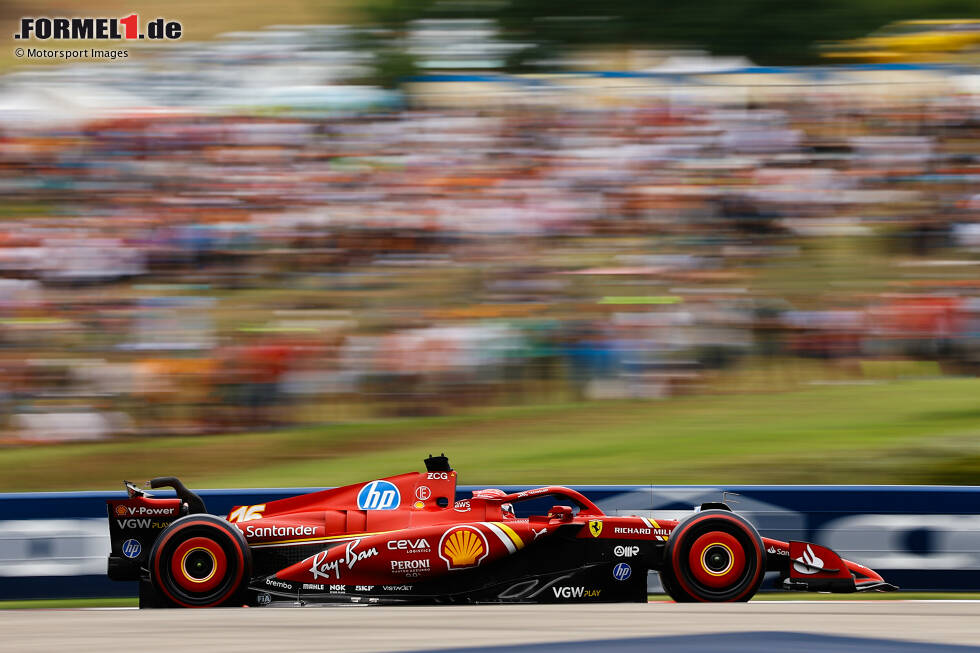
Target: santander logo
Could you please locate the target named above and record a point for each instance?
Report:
(808, 563)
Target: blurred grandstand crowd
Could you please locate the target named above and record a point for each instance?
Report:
(205, 271)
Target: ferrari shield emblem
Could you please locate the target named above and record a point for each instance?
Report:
(595, 527)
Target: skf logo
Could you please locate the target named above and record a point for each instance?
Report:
(378, 495)
(463, 547)
(246, 513)
(595, 527)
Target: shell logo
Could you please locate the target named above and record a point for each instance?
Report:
(120, 511)
(463, 547)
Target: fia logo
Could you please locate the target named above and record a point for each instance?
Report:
(622, 571)
(378, 495)
(132, 548)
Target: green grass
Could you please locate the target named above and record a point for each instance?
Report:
(898, 432)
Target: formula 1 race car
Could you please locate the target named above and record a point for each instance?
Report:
(404, 539)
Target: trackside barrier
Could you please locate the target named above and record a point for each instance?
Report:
(54, 545)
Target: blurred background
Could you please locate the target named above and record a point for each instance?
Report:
(725, 242)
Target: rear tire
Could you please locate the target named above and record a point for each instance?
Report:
(150, 597)
(201, 561)
(713, 556)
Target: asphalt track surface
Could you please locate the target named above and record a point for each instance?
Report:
(616, 628)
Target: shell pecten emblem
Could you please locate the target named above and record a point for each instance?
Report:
(463, 547)
(595, 527)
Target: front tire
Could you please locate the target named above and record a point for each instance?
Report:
(201, 561)
(713, 556)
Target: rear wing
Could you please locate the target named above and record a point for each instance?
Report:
(137, 521)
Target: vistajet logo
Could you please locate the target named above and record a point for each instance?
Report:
(42, 28)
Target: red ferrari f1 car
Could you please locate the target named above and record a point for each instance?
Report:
(404, 539)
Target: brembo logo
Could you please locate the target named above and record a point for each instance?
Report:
(378, 495)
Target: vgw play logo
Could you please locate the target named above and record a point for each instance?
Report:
(378, 495)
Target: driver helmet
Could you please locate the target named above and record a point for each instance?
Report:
(494, 493)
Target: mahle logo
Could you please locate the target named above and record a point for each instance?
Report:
(378, 495)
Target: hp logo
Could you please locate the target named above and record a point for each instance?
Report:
(132, 548)
(622, 571)
(378, 495)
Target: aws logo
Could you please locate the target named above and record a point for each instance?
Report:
(463, 547)
(378, 495)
